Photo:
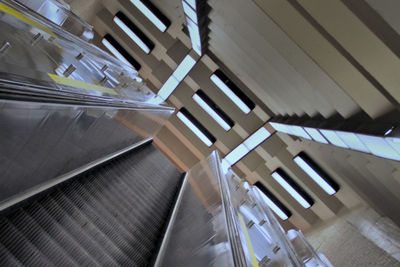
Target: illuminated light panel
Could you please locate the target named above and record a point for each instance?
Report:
(280, 127)
(316, 135)
(256, 138)
(194, 129)
(352, 141)
(291, 190)
(168, 87)
(248, 145)
(236, 154)
(150, 15)
(132, 35)
(314, 175)
(211, 112)
(114, 51)
(177, 76)
(189, 12)
(194, 36)
(273, 203)
(394, 142)
(192, 3)
(379, 147)
(333, 138)
(299, 131)
(184, 68)
(229, 93)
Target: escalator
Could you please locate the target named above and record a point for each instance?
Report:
(113, 215)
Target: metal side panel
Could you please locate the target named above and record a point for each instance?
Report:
(42, 141)
(113, 215)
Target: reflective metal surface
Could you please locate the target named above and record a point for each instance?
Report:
(199, 233)
(40, 141)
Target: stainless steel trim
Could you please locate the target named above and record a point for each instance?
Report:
(40, 188)
(171, 222)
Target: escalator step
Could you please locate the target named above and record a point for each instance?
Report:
(113, 215)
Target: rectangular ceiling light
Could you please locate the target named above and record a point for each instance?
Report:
(247, 146)
(153, 14)
(196, 127)
(184, 68)
(232, 91)
(333, 138)
(379, 147)
(316, 135)
(133, 32)
(195, 38)
(190, 12)
(316, 173)
(213, 110)
(177, 76)
(273, 202)
(293, 188)
(119, 52)
(280, 127)
(394, 142)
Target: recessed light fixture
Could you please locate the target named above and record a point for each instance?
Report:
(316, 173)
(196, 127)
(153, 14)
(133, 32)
(213, 110)
(333, 138)
(293, 188)
(316, 135)
(232, 91)
(189, 11)
(119, 52)
(273, 202)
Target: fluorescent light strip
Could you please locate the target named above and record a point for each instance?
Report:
(299, 131)
(194, 129)
(211, 112)
(314, 175)
(280, 213)
(379, 147)
(280, 127)
(256, 138)
(114, 51)
(168, 87)
(247, 146)
(192, 3)
(333, 138)
(236, 154)
(150, 15)
(189, 12)
(177, 76)
(291, 190)
(229, 93)
(316, 135)
(394, 142)
(184, 68)
(194, 36)
(132, 35)
(352, 141)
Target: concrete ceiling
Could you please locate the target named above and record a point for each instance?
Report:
(287, 65)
